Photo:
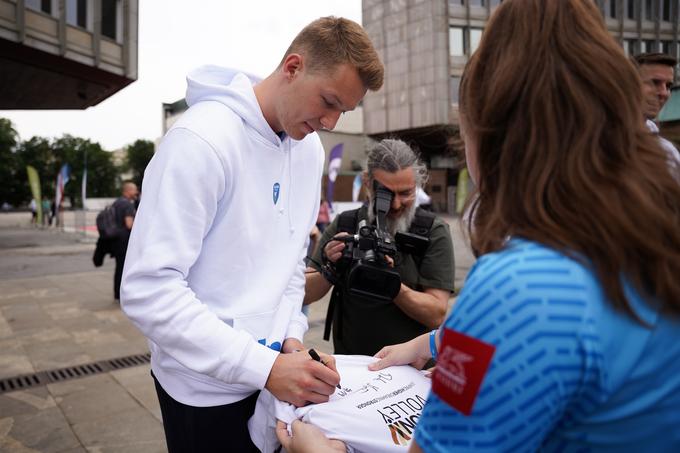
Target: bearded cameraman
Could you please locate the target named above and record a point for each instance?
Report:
(362, 323)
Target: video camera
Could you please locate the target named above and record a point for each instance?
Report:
(365, 252)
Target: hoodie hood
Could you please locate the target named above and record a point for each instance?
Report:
(235, 90)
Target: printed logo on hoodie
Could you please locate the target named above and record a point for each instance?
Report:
(277, 188)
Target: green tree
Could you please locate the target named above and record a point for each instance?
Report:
(101, 172)
(137, 158)
(36, 152)
(9, 169)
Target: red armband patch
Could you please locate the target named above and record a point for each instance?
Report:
(462, 363)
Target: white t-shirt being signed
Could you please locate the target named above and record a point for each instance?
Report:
(376, 411)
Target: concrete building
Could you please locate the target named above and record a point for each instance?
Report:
(66, 54)
(425, 45)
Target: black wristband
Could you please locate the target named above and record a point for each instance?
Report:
(328, 272)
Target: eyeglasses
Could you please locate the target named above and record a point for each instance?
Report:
(405, 194)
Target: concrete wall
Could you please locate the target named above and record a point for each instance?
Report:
(411, 38)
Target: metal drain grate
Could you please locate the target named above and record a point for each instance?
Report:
(74, 372)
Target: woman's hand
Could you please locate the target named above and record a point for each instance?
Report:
(415, 353)
(307, 439)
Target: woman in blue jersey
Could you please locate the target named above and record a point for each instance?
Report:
(566, 335)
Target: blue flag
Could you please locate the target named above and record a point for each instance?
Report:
(62, 178)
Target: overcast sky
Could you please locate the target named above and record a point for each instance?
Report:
(176, 36)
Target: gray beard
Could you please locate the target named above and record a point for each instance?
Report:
(400, 224)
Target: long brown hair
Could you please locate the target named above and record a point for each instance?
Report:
(563, 154)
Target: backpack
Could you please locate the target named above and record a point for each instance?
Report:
(106, 223)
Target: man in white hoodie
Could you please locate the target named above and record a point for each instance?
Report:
(214, 275)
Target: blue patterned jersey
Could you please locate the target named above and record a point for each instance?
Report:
(569, 373)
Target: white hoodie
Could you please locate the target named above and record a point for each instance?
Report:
(214, 269)
(673, 155)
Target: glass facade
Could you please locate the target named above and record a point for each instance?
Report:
(456, 41)
(648, 10)
(666, 10)
(475, 37)
(110, 18)
(455, 86)
(631, 10)
(44, 6)
(76, 13)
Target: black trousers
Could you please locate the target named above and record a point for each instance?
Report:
(190, 429)
(118, 274)
(119, 251)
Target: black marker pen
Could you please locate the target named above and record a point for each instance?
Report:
(315, 356)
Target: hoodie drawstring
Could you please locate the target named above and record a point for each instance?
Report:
(290, 187)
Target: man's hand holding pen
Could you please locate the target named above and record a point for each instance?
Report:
(299, 378)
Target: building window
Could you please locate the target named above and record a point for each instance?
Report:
(649, 45)
(647, 10)
(475, 37)
(44, 6)
(666, 47)
(631, 12)
(477, 2)
(629, 46)
(455, 86)
(110, 18)
(609, 8)
(666, 10)
(456, 41)
(76, 13)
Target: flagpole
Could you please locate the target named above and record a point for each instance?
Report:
(84, 197)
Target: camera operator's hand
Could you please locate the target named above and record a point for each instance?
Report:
(333, 249)
(298, 379)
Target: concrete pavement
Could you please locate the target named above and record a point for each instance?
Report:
(57, 311)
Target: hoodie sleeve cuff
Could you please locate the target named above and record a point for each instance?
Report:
(297, 329)
(255, 366)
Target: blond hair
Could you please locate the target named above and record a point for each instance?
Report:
(331, 41)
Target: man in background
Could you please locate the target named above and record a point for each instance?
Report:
(657, 71)
(124, 207)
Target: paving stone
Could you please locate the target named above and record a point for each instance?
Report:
(134, 430)
(56, 354)
(62, 310)
(26, 401)
(43, 335)
(139, 383)
(91, 398)
(25, 316)
(121, 347)
(13, 359)
(5, 329)
(43, 430)
(85, 320)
